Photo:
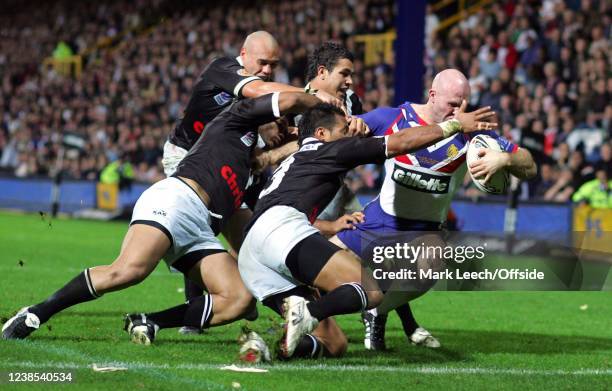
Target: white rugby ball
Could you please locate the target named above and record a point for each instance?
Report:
(499, 182)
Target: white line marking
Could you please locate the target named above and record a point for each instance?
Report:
(339, 368)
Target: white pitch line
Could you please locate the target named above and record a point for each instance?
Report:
(339, 368)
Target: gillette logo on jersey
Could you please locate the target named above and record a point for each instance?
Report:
(420, 185)
(420, 181)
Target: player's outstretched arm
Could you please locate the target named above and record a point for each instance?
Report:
(412, 139)
(258, 88)
(296, 102)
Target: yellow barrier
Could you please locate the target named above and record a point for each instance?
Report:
(377, 44)
(107, 196)
(69, 66)
(593, 230)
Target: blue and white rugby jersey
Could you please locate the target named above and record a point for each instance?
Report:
(421, 185)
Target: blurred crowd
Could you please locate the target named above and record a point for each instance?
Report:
(130, 94)
(543, 65)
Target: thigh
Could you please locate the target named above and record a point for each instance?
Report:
(142, 249)
(218, 273)
(234, 229)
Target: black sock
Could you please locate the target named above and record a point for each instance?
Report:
(199, 312)
(308, 347)
(346, 299)
(78, 290)
(408, 322)
(192, 290)
(172, 317)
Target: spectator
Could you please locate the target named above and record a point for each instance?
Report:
(597, 193)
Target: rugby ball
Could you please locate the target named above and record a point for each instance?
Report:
(499, 182)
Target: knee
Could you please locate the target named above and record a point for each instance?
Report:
(375, 297)
(337, 347)
(242, 301)
(126, 276)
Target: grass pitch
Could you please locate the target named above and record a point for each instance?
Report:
(501, 340)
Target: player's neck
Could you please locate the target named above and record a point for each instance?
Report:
(320, 86)
(423, 112)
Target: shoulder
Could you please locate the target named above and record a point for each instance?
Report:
(385, 114)
(224, 63)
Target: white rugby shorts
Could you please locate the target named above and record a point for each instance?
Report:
(175, 208)
(261, 260)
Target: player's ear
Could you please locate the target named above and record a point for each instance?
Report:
(322, 72)
(321, 133)
(432, 94)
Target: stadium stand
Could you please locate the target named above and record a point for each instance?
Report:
(544, 66)
(132, 91)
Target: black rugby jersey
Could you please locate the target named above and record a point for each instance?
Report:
(221, 162)
(220, 82)
(309, 179)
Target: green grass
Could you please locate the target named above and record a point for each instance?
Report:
(501, 340)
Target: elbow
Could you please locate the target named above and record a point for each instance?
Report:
(532, 171)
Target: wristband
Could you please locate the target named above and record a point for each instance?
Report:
(450, 127)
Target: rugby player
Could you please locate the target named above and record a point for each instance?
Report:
(225, 79)
(330, 69)
(178, 219)
(283, 255)
(443, 166)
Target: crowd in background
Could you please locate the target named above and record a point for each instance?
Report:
(543, 66)
(130, 95)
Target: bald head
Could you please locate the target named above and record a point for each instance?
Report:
(260, 54)
(451, 81)
(448, 89)
(260, 39)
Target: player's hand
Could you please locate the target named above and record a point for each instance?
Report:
(332, 100)
(292, 131)
(348, 221)
(489, 163)
(357, 127)
(477, 120)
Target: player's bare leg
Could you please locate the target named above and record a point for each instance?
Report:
(218, 274)
(227, 300)
(233, 232)
(350, 289)
(141, 251)
(331, 336)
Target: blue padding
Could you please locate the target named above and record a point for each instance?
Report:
(29, 195)
(481, 217)
(77, 195)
